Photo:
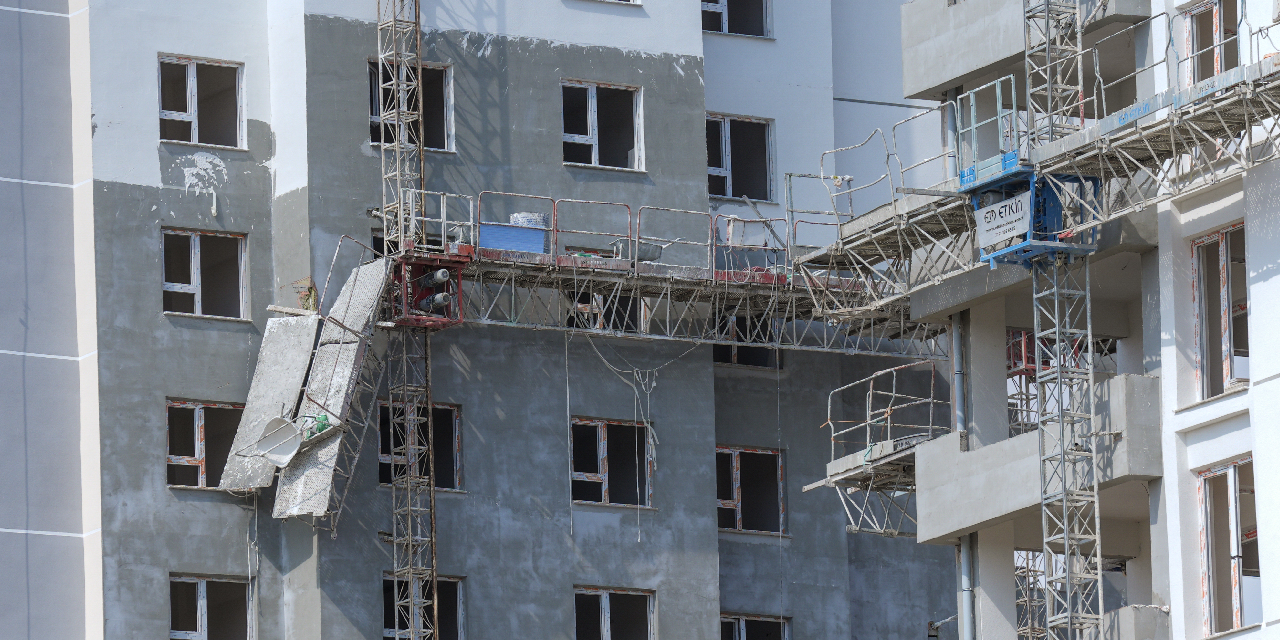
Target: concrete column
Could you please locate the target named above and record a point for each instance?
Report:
(988, 407)
(994, 591)
(1158, 552)
(1138, 571)
(1150, 313)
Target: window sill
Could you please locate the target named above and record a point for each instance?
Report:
(739, 35)
(447, 152)
(763, 534)
(739, 199)
(460, 492)
(601, 167)
(613, 505)
(187, 487)
(179, 314)
(204, 145)
(1235, 389)
(1228, 632)
(636, 4)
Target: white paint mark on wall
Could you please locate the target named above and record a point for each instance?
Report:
(202, 172)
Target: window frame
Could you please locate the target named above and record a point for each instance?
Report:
(200, 459)
(722, 7)
(736, 502)
(458, 580)
(602, 460)
(192, 114)
(195, 287)
(376, 118)
(726, 155)
(1231, 470)
(1192, 38)
(606, 622)
(202, 606)
(394, 460)
(592, 137)
(740, 623)
(1199, 294)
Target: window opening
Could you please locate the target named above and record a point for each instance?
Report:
(740, 627)
(435, 107)
(749, 489)
(446, 454)
(199, 441)
(748, 329)
(200, 101)
(742, 17)
(1233, 596)
(203, 273)
(449, 594)
(601, 125)
(737, 157)
(1212, 36)
(612, 614)
(206, 609)
(612, 462)
(1222, 311)
(610, 312)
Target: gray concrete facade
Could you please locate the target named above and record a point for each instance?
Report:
(86, 191)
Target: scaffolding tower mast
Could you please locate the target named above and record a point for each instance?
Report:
(413, 533)
(1063, 342)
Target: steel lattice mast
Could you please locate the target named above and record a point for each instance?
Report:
(413, 535)
(1068, 462)
(1055, 89)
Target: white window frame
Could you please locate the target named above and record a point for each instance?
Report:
(592, 137)
(1231, 470)
(202, 607)
(1230, 381)
(606, 620)
(1188, 19)
(199, 459)
(195, 286)
(462, 626)
(740, 624)
(191, 114)
(393, 459)
(602, 460)
(736, 502)
(376, 118)
(726, 150)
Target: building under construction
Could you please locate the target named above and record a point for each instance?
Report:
(401, 319)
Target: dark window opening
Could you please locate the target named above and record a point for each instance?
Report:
(742, 17)
(1223, 311)
(1231, 538)
(199, 437)
(202, 273)
(737, 158)
(615, 112)
(749, 490)
(744, 329)
(445, 452)
(605, 311)
(610, 463)
(600, 126)
(210, 609)
(394, 113)
(213, 116)
(611, 614)
(448, 608)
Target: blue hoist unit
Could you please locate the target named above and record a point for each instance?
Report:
(1020, 215)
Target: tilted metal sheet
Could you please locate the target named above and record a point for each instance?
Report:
(277, 379)
(356, 303)
(332, 381)
(307, 482)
